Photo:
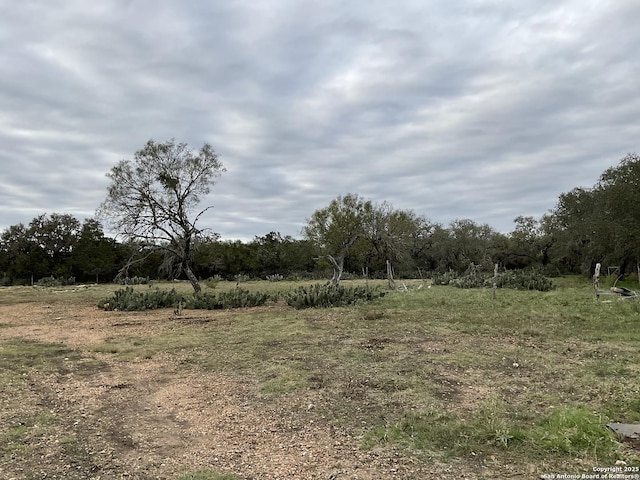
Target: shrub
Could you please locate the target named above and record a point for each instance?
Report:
(444, 278)
(276, 277)
(134, 281)
(241, 298)
(56, 282)
(471, 280)
(128, 299)
(212, 282)
(236, 298)
(524, 280)
(517, 279)
(323, 296)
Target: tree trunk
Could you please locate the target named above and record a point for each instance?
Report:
(392, 283)
(338, 267)
(192, 278)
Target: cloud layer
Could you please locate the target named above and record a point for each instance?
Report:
(475, 109)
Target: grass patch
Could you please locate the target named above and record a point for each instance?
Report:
(18, 433)
(569, 431)
(19, 356)
(578, 432)
(442, 435)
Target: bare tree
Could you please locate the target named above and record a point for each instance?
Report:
(153, 200)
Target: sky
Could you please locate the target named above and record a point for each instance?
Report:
(471, 109)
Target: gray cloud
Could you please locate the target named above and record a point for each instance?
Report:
(475, 109)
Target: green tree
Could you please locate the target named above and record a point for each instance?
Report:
(336, 228)
(57, 235)
(618, 194)
(21, 259)
(153, 200)
(373, 234)
(470, 243)
(94, 254)
(574, 225)
(529, 245)
(393, 234)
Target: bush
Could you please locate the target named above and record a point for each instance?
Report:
(471, 280)
(276, 277)
(517, 279)
(525, 280)
(56, 282)
(129, 299)
(444, 278)
(241, 277)
(324, 296)
(212, 282)
(134, 281)
(236, 298)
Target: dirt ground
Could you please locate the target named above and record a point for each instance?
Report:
(153, 418)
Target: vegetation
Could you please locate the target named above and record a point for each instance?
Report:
(433, 374)
(352, 225)
(152, 200)
(330, 295)
(530, 279)
(128, 299)
(351, 237)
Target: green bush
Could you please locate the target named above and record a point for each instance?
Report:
(276, 277)
(516, 279)
(128, 299)
(444, 278)
(134, 281)
(212, 282)
(236, 298)
(323, 296)
(56, 282)
(472, 280)
(524, 280)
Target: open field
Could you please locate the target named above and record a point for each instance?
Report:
(430, 383)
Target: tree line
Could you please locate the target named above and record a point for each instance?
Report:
(153, 203)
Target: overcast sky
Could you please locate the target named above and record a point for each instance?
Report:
(479, 109)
